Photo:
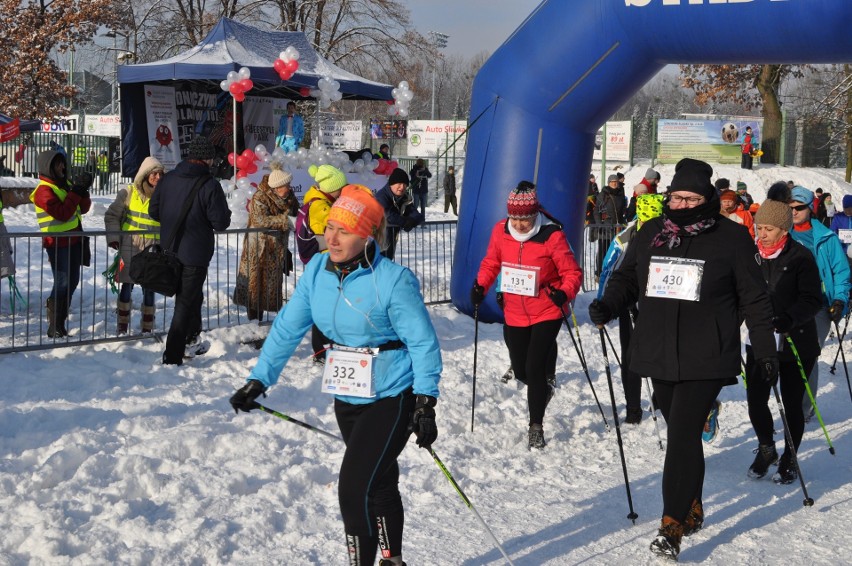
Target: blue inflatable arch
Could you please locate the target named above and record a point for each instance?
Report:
(573, 63)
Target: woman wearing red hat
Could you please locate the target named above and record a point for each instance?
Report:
(538, 275)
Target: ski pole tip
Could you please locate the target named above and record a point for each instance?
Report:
(831, 450)
(633, 516)
(808, 502)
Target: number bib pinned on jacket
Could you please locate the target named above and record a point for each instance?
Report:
(845, 236)
(519, 279)
(349, 371)
(675, 278)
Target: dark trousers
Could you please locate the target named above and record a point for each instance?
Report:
(127, 291)
(451, 200)
(368, 486)
(685, 406)
(65, 265)
(532, 349)
(420, 201)
(792, 394)
(318, 342)
(603, 246)
(630, 380)
(746, 161)
(186, 320)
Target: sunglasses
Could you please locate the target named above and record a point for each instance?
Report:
(800, 207)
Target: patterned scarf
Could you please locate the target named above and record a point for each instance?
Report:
(671, 233)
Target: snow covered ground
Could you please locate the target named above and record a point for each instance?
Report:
(107, 457)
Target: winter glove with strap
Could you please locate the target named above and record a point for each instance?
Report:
(244, 398)
(835, 311)
(599, 312)
(477, 294)
(423, 421)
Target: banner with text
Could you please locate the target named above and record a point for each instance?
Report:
(387, 129)
(67, 124)
(429, 138)
(161, 113)
(342, 135)
(108, 125)
(708, 140)
(619, 139)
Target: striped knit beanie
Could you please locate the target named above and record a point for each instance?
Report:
(523, 202)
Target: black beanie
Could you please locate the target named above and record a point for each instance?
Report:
(694, 176)
(398, 176)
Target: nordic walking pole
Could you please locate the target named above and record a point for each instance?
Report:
(632, 515)
(577, 329)
(586, 371)
(808, 502)
(810, 394)
(611, 345)
(843, 357)
(475, 346)
(654, 412)
(296, 421)
(840, 338)
(432, 452)
(469, 504)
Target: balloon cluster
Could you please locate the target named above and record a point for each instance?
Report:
(287, 63)
(402, 96)
(238, 83)
(244, 162)
(327, 91)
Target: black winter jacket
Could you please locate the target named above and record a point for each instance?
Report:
(678, 340)
(208, 212)
(609, 207)
(795, 290)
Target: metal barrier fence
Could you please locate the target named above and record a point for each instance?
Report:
(596, 241)
(426, 250)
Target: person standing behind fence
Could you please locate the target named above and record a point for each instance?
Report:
(534, 248)
(450, 190)
(399, 212)
(129, 213)
(59, 206)
(195, 241)
(420, 176)
(265, 260)
(103, 171)
(609, 213)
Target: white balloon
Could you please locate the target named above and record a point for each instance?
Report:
(403, 112)
(244, 73)
(392, 110)
(233, 76)
(284, 56)
(403, 84)
(408, 95)
(336, 95)
(267, 159)
(293, 53)
(335, 85)
(367, 157)
(226, 185)
(358, 165)
(278, 153)
(302, 152)
(225, 85)
(395, 92)
(260, 150)
(243, 183)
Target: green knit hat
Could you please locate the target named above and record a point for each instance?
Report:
(329, 178)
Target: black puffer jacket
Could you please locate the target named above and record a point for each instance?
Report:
(679, 340)
(795, 291)
(209, 211)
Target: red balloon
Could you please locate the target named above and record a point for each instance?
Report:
(279, 65)
(240, 96)
(292, 66)
(242, 161)
(285, 75)
(252, 168)
(390, 102)
(241, 174)
(231, 158)
(393, 165)
(246, 85)
(305, 91)
(235, 88)
(249, 154)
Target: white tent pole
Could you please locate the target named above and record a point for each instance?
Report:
(234, 116)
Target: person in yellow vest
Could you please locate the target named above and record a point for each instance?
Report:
(124, 218)
(103, 171)
(79, 158)
(59, 206)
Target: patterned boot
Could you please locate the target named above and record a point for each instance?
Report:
(695, 519)
(148, 314)
(124, 316)
(667, 542)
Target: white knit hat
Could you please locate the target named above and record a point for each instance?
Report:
(278, 177)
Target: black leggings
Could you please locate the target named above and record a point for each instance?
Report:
(685, 406)
(792, 393)
(368, 486)
(532, 350)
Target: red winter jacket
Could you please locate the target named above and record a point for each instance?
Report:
(47, 200)
(547, 250)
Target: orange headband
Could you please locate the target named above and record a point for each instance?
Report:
(358, 210)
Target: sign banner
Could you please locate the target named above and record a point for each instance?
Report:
(342, 135)
(106, 125)
(619, 140)
(258, 123)
(709, 140)
(69, 124)
(429, 138)
(386, 129)
(161, 112)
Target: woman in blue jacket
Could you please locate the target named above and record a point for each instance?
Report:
(383, 367)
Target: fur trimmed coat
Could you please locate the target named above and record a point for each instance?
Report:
(265, 259)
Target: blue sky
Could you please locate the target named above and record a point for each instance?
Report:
(473, 25)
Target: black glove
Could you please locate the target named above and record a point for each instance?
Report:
(769, 370)
(783, 324)
(558, 297)
(501, 301)
(835, 311)
(410, 223)
(423, 421)
(82, 182)
(243, 399)
(477, 294)
(599, 313)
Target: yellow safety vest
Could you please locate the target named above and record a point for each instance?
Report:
(1, 211)
(103, 164)
(47, 223)
(137, 217)
(80, 156)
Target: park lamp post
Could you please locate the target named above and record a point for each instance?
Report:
(122, 57)
(439, 41)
